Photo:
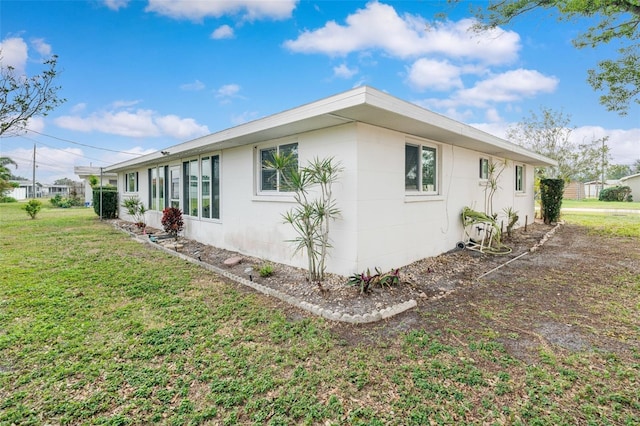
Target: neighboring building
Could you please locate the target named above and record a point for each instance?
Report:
(85, 172)
(633, 182)
(408, 172)
(24, 190)
(574, 190)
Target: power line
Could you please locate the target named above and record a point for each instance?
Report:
(61, 150)
(84, 144)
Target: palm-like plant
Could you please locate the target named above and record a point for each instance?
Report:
(311, 217)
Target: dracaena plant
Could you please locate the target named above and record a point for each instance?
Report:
(314, 211)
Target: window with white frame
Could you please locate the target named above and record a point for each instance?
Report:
(519, 184)
(210, 187)
(157, 187)
(421, 168)
(201, 188)
(131, 182)
(484, 168)
(174, 186)
(270, 180)
(190, 190)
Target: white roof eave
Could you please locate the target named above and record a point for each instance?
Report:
(363, 104)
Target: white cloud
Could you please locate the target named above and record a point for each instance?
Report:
(139, 123)
(227, 92)
(180, 128)
(249, 10)
(434, 74)
(244, 117)
(492, 115)
(42, 47)
(624, 144)
(378, 26)
(124, 103)
(51, 163)
(116, 4)
(195, 86)
(343, 71)
(506, 87)
(223, 31)
(78, 108)
(14, 53)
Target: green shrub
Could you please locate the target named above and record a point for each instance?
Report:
(64, 202)
(32, 208)
(109, 202)
(616, 193)
(266, 270)
(7, 199)
(551, 199)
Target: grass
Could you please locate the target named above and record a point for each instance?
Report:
(97, 329)
(592, 203)
(604, 223)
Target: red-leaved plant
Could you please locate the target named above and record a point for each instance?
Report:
(172, 222)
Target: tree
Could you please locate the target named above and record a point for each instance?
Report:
(635, 167)
(64, 181)
(5, 174)
(550, 135)
(617, 171)
(24, 97)
(615, 20)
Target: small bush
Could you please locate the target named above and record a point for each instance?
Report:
(7, 199)
(266, 270)
(366, 281)
(616, 193)
(65, 203)
(32, 208)
(136, 209)
(109, 201)
(172, 222)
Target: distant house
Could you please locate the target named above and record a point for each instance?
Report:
(25, 189)
(85, 172)
(408, 172)
(633, 182)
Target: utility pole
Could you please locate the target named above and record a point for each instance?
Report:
(602, 185)
(34, 171)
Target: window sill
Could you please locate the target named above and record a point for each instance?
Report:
(419, 198)
(521, 194)
(274, 198)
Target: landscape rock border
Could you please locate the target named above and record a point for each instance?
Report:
(374, 316)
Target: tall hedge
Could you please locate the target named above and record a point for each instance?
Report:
(109, 202)
(551, 199)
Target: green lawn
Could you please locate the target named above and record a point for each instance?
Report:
(592, 203)
(96, 328)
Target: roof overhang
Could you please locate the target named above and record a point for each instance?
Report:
(362, 104)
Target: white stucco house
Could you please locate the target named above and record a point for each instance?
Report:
(633, 182)
(104, 178)
(407, 174)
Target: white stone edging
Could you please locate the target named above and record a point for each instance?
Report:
(374, 316)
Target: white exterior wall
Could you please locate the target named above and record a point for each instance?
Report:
(634, 184)
(396, 227)
(380, 225)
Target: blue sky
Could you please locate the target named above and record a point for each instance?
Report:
(139, 76)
